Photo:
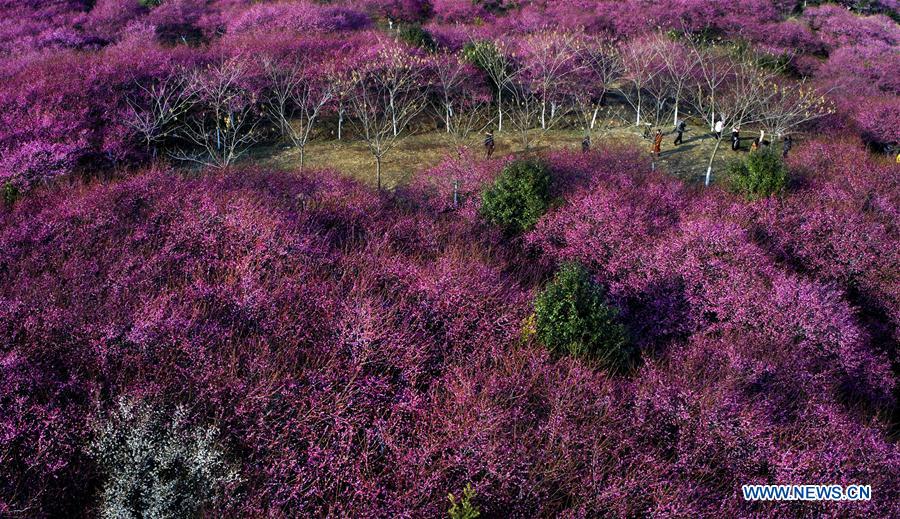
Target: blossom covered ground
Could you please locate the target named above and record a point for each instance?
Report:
(353, 352)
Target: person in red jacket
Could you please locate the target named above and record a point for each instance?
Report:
(657, 142)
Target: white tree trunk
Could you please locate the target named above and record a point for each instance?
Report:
(340, 121)
(393, 117)
(499, 111)
(543, 115)
(711, 159)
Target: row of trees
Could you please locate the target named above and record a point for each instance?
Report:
(213, 115)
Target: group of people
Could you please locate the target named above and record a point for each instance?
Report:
(718, 128)
(680, 128)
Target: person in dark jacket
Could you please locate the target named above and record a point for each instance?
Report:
(679, 132)
(735, 138)
(488, 144)
(786, 146)
(586, 144)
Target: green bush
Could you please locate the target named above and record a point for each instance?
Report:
(519, 196)
(150, 3)
(154, 465)
(415, 35)
(761, 174)
(9, 193)
(463, 508)
(572, 317)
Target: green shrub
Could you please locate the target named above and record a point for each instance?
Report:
(572, 317)
(519, 196)
(415, 35)
(463, 508)
(9, 193)
(155, 465)
(150, 3)
(761, 174)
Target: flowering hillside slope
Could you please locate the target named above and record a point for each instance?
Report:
(362, 354)
(557, 324)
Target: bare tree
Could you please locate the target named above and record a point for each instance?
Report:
(488, 56)
(600, 67)
(640, 70)
(524, 110)
(541, 85)
(785, 105)
(474, 116)
(342, 82)
(457, 101)
(548, 62)
(738, 100)
(386, 95)
(221, 125)
(295, 101)
(714, 68)
(155, 109)
(449, 76)
(680, 66)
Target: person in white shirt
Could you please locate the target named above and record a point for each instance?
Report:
(719, 127)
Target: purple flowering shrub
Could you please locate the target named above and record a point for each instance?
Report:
(841, 225)
(362, 354)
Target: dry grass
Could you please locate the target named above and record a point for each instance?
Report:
(424, 150)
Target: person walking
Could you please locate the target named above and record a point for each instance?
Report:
(586, 144)
(488, 145)
(736, 138)
(786, 146)
(720, 125)
(679, 132)
(657, 142)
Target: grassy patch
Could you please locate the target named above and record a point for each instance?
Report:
(424, 150)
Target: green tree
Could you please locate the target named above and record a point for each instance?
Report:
(416, 35)
(9, 193)
(761, 174)
(519, 196)
(463, 508)
(572, 317)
